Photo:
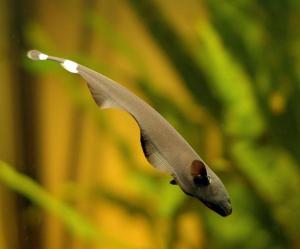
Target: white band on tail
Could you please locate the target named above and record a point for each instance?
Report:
(70, 66)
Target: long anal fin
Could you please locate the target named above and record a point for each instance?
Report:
(109, 94)
(153, 155)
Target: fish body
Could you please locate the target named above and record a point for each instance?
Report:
(162, 145)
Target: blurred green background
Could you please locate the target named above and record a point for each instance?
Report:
(225, 74)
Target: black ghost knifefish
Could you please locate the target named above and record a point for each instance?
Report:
(162, 145)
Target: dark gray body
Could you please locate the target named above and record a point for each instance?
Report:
(162, 139)
(163, 146)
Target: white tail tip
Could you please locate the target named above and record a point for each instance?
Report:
(36, 55)
(70, 66)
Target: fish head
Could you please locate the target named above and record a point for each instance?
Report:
(209, 189)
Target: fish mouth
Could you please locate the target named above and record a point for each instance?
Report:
(223, 208)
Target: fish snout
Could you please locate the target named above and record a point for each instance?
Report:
(223, 208)
(227, 208)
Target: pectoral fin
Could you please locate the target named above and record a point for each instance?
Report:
(199, 173)
(173, 182)
(198, 168)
